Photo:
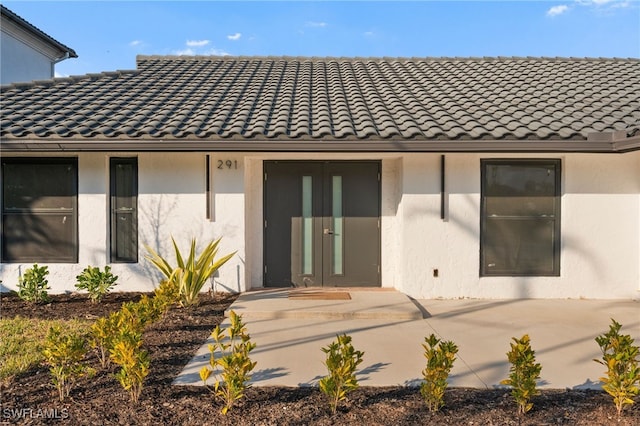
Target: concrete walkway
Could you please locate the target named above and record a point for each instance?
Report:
(390, 328)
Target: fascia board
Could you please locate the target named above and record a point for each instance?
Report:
(243, 145)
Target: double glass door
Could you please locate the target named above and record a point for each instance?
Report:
(322, 223)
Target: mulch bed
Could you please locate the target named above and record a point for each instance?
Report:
(32, 399)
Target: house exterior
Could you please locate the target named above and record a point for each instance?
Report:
(27, 53)
(495, 178)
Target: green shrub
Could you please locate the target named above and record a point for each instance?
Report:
(620, 357)
(524, 373)
(134, 361)
(166, 295)
(33, 285)
(96, 282)
(440, 357)
(102, 335)
(192, 272)
(233, 366)
(342, 361)
(65, 353)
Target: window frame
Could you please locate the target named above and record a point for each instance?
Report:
(556, 217)
(34, 212)
(114, 255)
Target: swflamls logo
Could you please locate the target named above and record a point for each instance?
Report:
(35, 413)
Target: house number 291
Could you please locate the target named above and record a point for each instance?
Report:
(227, 164)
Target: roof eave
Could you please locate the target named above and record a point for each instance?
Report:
(38, 34)
(251, 145)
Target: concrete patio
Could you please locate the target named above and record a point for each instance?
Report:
(390, 327)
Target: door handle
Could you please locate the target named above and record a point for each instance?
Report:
(327, 231)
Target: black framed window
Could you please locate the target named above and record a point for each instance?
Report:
(124, 209)
(40, 210)
(520, 218)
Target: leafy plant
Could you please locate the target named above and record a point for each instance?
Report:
(64, 353)
(134, 361)
(96, 282)
(440, 357)
(621, 358)
(166, 295)
(103, 333)
(33, 285)
(524, 373)
(136, 315)
(342, 360)
(22, 342)
(132, 318)
(192, 272)
(233, 366)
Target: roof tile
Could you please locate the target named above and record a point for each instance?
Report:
(332, 98)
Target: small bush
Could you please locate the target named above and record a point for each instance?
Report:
(65, 353)
(342, 361)
(103, 333)
(134, 361)
(524, 373)
(166, 295)
(620, 357)
(33, 285)
(96, 282)
(233, 366)
(440, 357)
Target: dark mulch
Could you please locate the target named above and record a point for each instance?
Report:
(30, 398)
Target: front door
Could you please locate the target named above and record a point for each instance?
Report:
(322, 223)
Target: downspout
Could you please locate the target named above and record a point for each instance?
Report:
(66, 55)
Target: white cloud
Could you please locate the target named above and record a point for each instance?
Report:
(235, 36)
(197, 43)
(217, 52)
(315, 24)
(600, 1)
(604, 4)
(185, 52)
(598, 6)
(195, 47)
(368, 34)
(557, 10)
(135, 43)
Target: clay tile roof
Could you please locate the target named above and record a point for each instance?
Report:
(331, 99)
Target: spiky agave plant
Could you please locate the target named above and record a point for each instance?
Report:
(192, 272)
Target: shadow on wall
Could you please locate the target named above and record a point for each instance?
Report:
(217, 285)
(158, 226)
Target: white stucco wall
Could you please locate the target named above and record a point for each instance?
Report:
(600, 223)
(171, 202)
(21, 63)
(599, 231)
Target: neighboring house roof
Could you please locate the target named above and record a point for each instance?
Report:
(36, 32)
(333, 104)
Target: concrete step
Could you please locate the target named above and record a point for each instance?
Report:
(330, 304)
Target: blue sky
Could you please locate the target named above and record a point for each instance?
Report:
(107, 35)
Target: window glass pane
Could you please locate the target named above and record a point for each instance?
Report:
(124, 194)
(39, 210)
(38, 186)
(124, 216)
(38, 237)
(520, 189)
(307, 225)
(523, 246)
(337, 225)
